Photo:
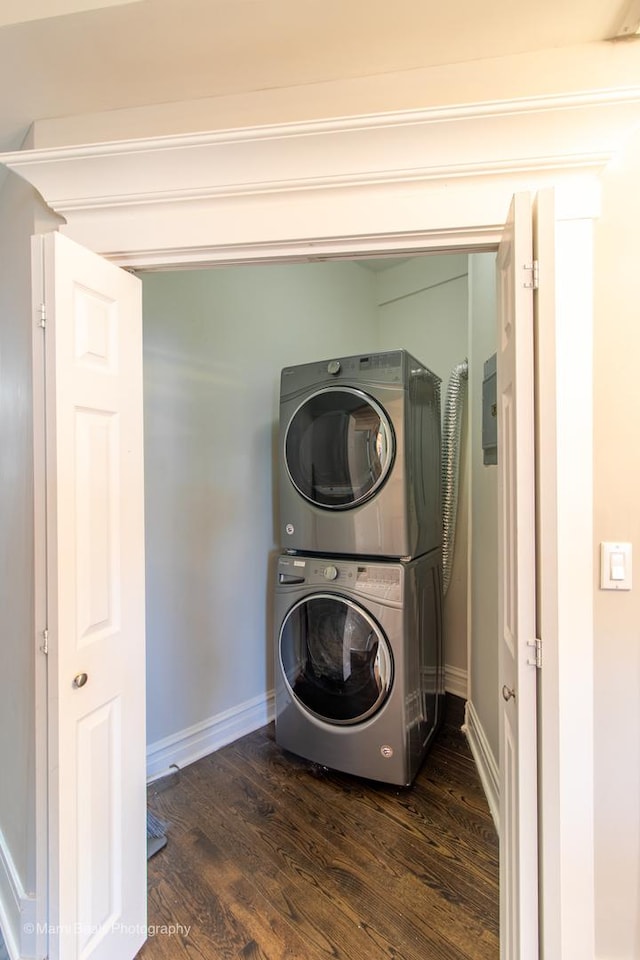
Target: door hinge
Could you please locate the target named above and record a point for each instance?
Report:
(42, 314)
(534, 270)
(537, 644)
(44, 646)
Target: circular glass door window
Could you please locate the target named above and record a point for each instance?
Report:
(335, 658)
(338, 448)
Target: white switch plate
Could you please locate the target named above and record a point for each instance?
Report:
(615, 566)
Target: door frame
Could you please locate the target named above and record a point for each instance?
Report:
(401, 183)
(563, 929)
(563, 245)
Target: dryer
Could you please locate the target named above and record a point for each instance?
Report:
(359, 456)
(359, 665)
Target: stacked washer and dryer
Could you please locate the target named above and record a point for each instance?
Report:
(358, 595)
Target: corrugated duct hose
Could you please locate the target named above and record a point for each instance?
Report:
(451, 432)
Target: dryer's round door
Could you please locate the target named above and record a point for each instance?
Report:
(338, 448)
(335, 659)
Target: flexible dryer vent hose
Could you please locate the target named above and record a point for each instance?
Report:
(452, 429)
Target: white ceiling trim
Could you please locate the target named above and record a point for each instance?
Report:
(261, 184)
(466, 111)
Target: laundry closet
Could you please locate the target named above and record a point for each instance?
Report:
(215, 342)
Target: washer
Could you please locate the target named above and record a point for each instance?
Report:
(359, 668)
(359, 456)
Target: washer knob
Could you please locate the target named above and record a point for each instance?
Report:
(330, 573)
(333, 367)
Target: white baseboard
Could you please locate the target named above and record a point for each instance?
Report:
(195, 742)
(455, 681)
(17, 909)
(485, 761)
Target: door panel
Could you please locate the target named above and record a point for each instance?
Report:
(95, 570)
(98, 524)
(99, 827)
(517, 623)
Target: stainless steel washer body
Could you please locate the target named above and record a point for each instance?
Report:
(359, 665)
(359, 456)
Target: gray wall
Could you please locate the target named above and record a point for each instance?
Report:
(21, 668)
(17, 690)
(215, 342)
(483, 558)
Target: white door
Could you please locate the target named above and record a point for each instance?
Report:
(516, 577)
(95, 589)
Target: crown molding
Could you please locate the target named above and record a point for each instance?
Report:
(482, 110)
(196, 190)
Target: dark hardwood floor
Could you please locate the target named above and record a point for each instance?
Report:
(272, 857)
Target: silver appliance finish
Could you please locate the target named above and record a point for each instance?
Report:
(359, 455)
(359, 663)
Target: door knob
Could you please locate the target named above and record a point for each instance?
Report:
(80, 679)
(507, 693)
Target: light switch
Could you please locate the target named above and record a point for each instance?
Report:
(615, 566)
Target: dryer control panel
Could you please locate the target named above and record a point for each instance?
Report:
(378, 368)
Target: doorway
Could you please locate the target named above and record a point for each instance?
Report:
(515, 261)
(214, 344)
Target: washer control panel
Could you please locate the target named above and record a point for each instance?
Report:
(383, 580)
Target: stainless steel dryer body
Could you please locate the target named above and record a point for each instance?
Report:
(359, 457)
(359, 664)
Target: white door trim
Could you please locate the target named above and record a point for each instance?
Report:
(442, 176)
(564, 388)
(39, 938)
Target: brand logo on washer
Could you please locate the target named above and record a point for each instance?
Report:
(289, 528)
(386, 751)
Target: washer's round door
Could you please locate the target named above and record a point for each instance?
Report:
(339, 448)
(335, 659)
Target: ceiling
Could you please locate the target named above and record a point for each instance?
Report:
(99, 55)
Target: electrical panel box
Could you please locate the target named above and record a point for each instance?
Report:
(489, 413)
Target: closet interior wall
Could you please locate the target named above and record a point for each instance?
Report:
(214, 344)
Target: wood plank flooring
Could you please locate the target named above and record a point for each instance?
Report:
(275, 858)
